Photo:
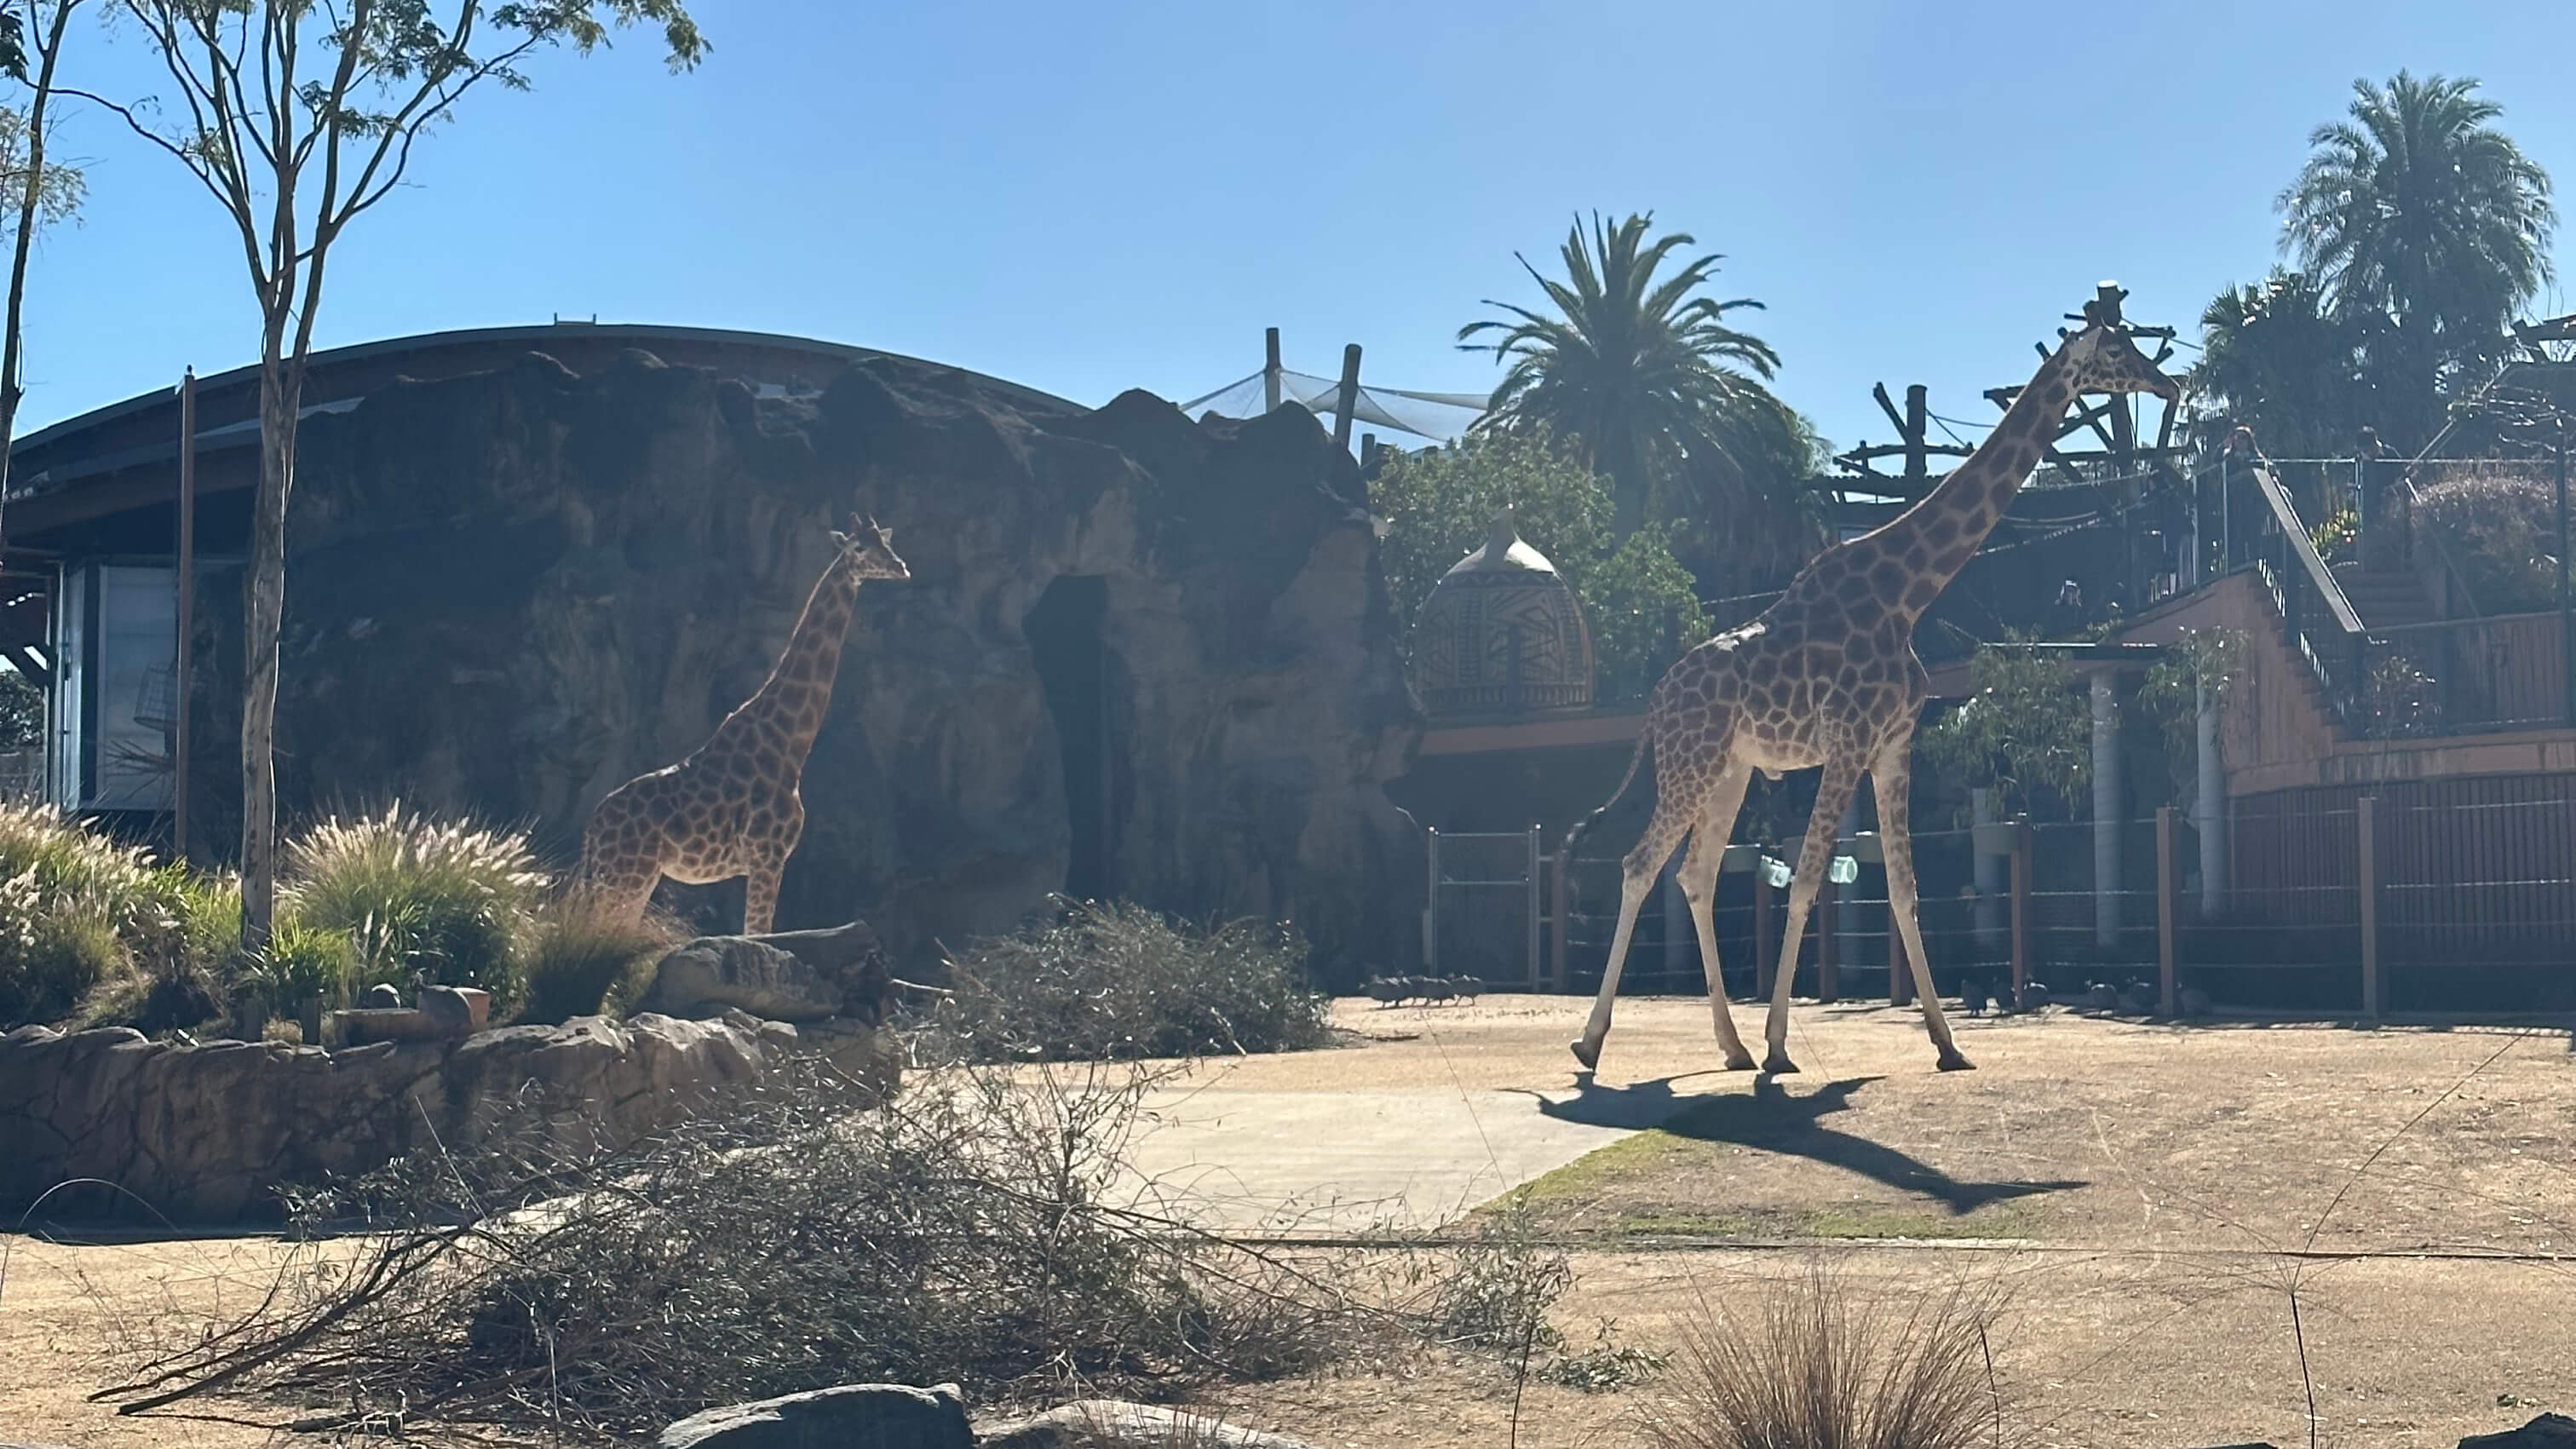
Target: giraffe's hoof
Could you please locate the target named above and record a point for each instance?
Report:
(1953, 1061)
(1586, 1052)
(1740, 1062)
(1778, 1063)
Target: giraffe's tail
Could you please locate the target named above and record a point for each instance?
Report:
(1583, 827)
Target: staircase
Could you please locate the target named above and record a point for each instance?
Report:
(2385, 599)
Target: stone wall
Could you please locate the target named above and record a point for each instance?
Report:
(206, 1133)
(512, 591)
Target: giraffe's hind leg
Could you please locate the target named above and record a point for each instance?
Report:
(1815, 853)
(1890, 776)
(1699, 887)
(1637, 874)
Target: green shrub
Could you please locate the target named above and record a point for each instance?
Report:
(584, 960)
(1119, 982)
(451, 900)
(2501, 533)
(300, 962)
(77, 910)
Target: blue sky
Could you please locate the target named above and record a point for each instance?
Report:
(1092, 197)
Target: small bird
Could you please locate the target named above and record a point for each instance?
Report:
(2193, 1001)
(2101, 996)
(1973, 996)
(2036, 994)
(1387, 990)
(1467, 988)
(2135, 1000)
(1434, 988)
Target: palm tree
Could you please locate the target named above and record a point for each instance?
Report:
(1642, 377)
(2275, 359)
(2427, 228)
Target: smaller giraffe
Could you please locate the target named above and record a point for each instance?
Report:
(731, 808)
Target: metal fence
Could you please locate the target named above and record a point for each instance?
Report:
(2352, 903)
(1485, 916)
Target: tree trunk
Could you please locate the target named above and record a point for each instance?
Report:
(263, 606)
(30, 198)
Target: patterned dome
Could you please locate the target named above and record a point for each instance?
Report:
(1502, 634)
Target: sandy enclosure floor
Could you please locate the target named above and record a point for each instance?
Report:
(2133, 1187)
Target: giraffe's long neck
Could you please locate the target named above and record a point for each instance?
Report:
(798, 692)
(1936, 537)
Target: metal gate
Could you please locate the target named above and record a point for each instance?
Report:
(1486, 914)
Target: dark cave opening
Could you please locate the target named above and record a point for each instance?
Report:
(1075, 668)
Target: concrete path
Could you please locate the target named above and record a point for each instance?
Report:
(1343, 1161)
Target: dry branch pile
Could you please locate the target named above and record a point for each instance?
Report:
(983, 1230)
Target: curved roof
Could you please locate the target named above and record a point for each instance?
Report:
(340, 375)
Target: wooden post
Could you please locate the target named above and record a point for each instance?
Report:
(1537, 874)
(2021, 913)
(1766, 951)
(2166, 885)
(1918, 454)
(186, 623)
(1556, 913)
(1431, 908)
(1270, 371)
(1828, 940)
(309, 1017)
(1349, 400)
(1900, 985)
(2364, 824)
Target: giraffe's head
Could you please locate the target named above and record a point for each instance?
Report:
(2103, 359)
(869, 550)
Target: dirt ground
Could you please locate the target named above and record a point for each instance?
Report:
(2146, 1197)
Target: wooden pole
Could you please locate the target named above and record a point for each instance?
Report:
(1918, 458)
(2021, 913)
(2365, 825)
(1828, 940)
(1556, 913)
(1431, 909)
(1766, 956)
(1900, 986)
(186, 623)
(2165, 888)
(1537, 877)
(1349, 398)
(1270, 371)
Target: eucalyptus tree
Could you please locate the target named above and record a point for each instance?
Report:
(298, 117)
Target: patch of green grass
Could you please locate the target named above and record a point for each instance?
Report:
(1634, 1188)
(1841, 1221)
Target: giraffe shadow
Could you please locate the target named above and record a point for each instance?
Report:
(1770, 1119)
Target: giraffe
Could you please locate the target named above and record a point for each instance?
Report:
(731, 807)
(1827, 677)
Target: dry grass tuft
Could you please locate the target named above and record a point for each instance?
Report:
(1821, 1366)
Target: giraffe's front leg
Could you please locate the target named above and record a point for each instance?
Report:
(1890, 775)
(1637, 872)
(776, 832)
(1833, 795)
(1699, 887)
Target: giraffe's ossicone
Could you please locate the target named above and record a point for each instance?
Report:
(731, 808)
(1827, 678)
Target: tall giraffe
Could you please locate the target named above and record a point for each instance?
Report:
(731, 808)
(1827, 677)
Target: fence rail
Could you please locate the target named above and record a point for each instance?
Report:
(2367, 903)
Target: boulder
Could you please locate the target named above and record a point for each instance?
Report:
(853, 1416)
(517, 589)
(705, 976)
(1117, 1424)
(2548, 1431)
(456, 1010)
